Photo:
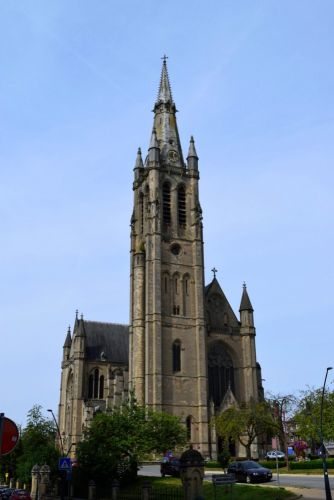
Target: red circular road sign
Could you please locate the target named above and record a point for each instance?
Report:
(9, 436)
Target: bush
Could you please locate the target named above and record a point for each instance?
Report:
(212, 464)
(311, 464)
(271, 464)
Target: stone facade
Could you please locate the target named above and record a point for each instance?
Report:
(185, 351)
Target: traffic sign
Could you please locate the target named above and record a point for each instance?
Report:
(9, 435)
(64, 463)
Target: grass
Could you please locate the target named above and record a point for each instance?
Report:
(240, 492)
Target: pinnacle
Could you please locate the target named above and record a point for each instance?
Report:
(165, 92)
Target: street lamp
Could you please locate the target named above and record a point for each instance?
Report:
(323, 449)
(58, 432)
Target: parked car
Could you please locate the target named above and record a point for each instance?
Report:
(273, 454)
(5, 493)
(249, 471)
(20, 495)
(170, 467)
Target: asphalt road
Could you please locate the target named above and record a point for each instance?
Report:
(294, 480)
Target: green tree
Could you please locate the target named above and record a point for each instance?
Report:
(282, 409)
(245, 424)
(37, 444)
(116, 441)
(307, 417)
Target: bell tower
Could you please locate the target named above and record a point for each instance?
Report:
(167, 358)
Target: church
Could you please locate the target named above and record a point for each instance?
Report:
(185, 351)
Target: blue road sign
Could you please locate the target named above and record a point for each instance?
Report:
(64, 463)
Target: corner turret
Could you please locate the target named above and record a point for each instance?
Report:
(139, 166)
(192, 158)
(153, 150)
(246, 309)
(67, 345)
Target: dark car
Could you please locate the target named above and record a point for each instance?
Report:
(170, 467)
(249, 471)
(6, 492)
(20, 495)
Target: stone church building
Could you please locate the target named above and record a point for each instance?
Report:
(185, 351)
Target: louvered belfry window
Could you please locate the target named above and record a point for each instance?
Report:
(166, 203)
(181, 201)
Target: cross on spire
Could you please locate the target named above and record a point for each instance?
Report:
(164, 58)
(215, 271)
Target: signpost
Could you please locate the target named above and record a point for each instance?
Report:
(9, 435)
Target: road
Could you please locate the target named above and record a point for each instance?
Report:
(310, 486)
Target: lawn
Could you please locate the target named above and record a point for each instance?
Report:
(240, 492)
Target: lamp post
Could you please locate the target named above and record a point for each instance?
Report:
(58, 432)
(323, 449)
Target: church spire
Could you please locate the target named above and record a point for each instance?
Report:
(165, 125)
(165, 92)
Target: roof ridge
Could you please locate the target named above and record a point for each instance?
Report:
(105, 322)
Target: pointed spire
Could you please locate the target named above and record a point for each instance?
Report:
(245, 304)
(68, 340)
(192, 158)
(139, 160)
(165, 124)
(165, 92)
(81, 327)
(153, 151)
(192, 151)
(138, 165)
(154, 141)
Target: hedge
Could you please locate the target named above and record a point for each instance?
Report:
(271, 464)
(311, 464)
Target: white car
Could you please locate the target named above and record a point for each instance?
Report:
(273, 454)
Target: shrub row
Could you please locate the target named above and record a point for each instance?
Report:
(271, 464)
(312, 464)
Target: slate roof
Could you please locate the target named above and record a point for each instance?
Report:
(107, 341)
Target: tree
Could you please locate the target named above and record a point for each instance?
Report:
(38, 444)
(282, 408)
(116, 441)
(245, 424)
(307, 417)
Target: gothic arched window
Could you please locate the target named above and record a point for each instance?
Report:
(95, 385)
(90, 386)
(181, 206)
(186, 294)
(188, 427)
(101, 388)
(166, 211)
(176, 356)
(221, 372)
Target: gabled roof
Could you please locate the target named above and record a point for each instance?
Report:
(228, 400)
(107, 342)
(214, 289)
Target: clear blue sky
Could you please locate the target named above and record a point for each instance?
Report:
(253, 82)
